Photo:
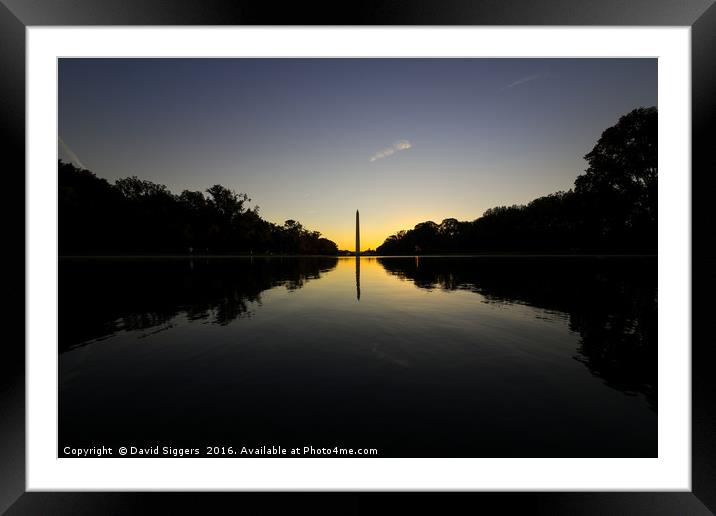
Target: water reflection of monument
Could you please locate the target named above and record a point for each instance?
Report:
(357, 255)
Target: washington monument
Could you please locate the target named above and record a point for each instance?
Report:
(357, 256)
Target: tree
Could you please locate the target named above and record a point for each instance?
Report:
(136, 189)
(138, 216)
(449, 227)
(619, 188)
(193, 201)
(613, 206)
(227, 202)
(624, 160)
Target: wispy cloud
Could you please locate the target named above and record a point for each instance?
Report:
(73, 157)
(523, 80)
(400, 145)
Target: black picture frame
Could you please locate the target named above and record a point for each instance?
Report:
(700, 15)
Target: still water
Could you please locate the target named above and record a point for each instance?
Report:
(416, 357)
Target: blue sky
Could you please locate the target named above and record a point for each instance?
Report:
(403, 140)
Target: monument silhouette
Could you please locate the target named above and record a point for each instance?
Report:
(357, 255)
(357, 233)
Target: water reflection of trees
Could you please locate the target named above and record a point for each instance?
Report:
(610, 302)
(98, 297)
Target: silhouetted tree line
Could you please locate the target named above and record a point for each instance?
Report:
(138, 216)
(612, 207)
(611, 303)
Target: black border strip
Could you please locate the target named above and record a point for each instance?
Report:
(700, 15)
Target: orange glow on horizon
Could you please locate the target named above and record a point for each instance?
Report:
(373, 233)
(371, 236)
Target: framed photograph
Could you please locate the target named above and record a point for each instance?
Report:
(416, 250)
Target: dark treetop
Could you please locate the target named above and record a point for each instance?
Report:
(134, 216)
(612, 207)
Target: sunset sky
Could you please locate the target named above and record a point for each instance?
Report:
(402, 140)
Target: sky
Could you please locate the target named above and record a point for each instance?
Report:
(402, 140)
